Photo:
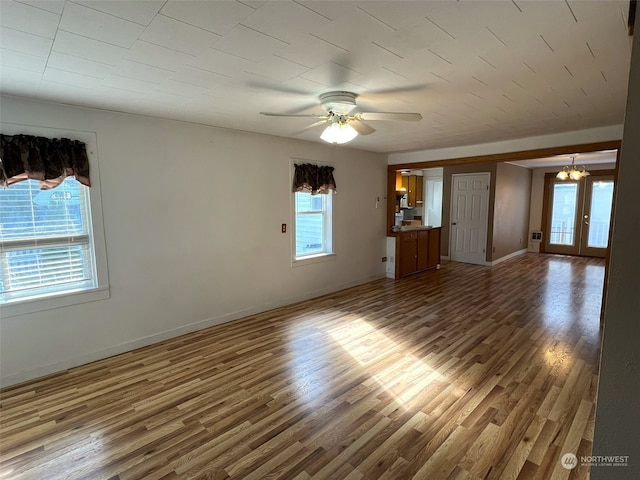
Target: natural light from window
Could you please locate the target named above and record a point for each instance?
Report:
(46, 244)
(313, 233)
(404, 376)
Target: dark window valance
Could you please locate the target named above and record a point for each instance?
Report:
(49, 160)
(313, 179)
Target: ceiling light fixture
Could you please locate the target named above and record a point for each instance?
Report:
(571, 172)
(339, 131)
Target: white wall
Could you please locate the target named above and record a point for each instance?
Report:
(192, 218)
(537, 196)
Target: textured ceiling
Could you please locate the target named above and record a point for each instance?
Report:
(478, 71)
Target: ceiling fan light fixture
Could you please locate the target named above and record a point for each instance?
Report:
(339, 132)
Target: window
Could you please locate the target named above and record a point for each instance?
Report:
(313, 235)
(46, 241)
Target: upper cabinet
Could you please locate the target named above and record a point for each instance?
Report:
(419, 191)
(411, 201)
(413, 185)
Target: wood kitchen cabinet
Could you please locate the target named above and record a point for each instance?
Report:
(419, 191)
(411, 196)
(413, 185)
(416, 251)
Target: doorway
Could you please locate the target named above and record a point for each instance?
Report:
(469, 217)
(579, 215)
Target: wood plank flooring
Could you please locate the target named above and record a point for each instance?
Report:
(466, 372)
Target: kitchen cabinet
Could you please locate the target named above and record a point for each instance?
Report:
(419, 191)
(411, 196)
(416, 251)
(413, 185)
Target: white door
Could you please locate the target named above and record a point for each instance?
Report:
(469, 217)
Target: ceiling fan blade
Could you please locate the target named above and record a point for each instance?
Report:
(278, 88)
(361, 127)
(302, 115)
(308, 127)
(391, 91)
(408, 117)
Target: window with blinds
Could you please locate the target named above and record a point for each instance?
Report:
(46, 245)
(312, 225)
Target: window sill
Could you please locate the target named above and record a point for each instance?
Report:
(24, 307)
(323, 257)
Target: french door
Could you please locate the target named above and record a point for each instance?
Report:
(579, 215)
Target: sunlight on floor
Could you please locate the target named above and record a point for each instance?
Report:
(564, 302)
(402, 375)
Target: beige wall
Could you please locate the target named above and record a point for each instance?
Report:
(511, 210)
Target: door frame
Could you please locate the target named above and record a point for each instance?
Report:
(484, 208)
(548, 177)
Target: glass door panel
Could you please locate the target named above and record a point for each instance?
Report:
(564, 204)
(600, 215)
(597, 215)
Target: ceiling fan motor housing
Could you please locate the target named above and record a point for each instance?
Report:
(341, 103)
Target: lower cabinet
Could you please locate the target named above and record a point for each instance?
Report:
(416, 251)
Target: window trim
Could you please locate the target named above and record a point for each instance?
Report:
(329, 222)
(67, 298)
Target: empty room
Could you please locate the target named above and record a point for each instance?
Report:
(319, 239)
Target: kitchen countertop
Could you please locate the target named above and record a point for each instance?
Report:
(410, 228)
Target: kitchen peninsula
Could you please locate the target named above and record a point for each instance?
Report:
(412, 249)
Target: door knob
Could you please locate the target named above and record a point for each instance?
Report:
(454, 223)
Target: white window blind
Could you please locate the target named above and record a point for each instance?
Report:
(45, 240)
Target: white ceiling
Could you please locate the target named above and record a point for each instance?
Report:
(478, 71)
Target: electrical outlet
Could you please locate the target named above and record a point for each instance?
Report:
(384, 259)
(284, 228)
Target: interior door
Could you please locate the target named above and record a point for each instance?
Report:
(469, 217)
(579, 216)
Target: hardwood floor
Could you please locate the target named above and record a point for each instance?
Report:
(466, 372)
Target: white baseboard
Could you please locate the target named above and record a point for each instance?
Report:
(507, 257)
(445, 257)
(57, 367)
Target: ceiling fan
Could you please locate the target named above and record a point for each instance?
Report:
(343, 125)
